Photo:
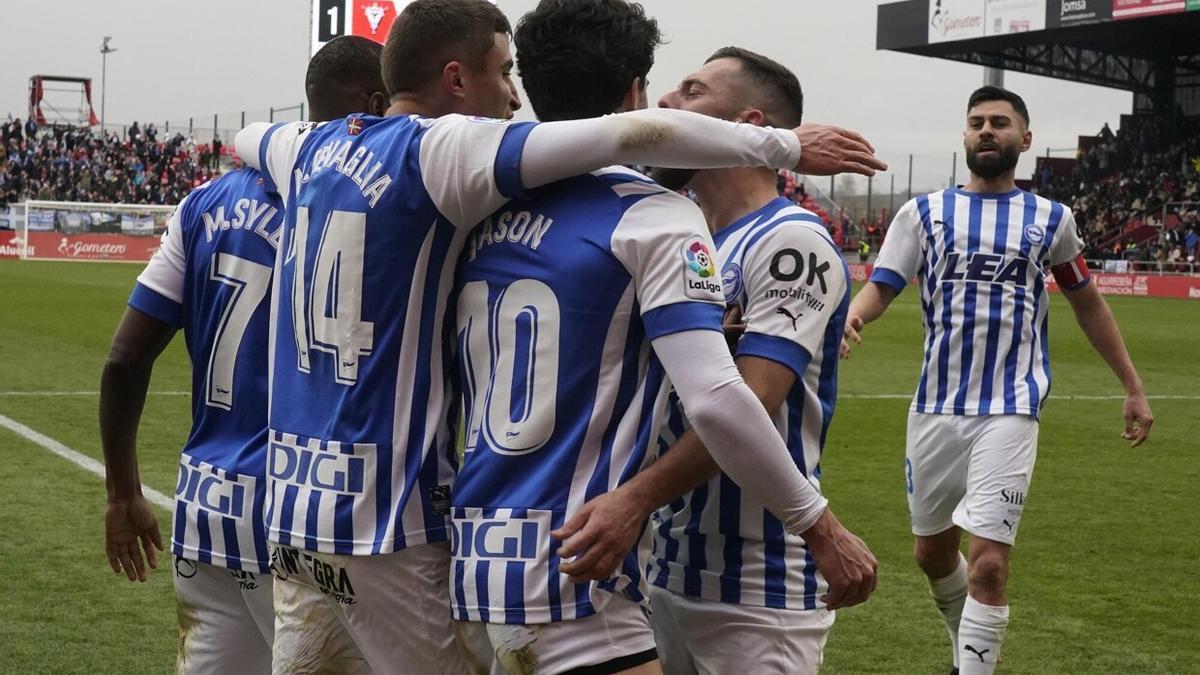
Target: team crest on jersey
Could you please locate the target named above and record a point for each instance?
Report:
(731, 280)
(1035, 234)
(700, 271)
(354, 126)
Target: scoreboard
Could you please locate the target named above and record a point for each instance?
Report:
(367, 18)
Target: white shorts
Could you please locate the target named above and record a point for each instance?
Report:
(618, 636)
(359, 614)
(225, 618)
(707, 637)
(972, 471)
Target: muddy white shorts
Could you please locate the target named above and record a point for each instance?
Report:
(225, 619)
(972, 471)
(706, 637)
(614, 639)
(359, 614)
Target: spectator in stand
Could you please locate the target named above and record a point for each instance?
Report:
(1190, 243)
(31, 128)
(216, 153)
(70, 164)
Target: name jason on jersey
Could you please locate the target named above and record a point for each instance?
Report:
(360, 167)
(515, 227)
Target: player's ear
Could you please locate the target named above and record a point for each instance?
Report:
(377, 104)
(452, 79)
(635, 96)
(753, 116)
(1026, 140)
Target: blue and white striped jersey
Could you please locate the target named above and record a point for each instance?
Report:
(361, 455)
(211, 276)
(718, 542)
(980, 260)
(560, 296)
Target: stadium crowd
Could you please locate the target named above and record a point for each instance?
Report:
(1123, 181)
(65, 163)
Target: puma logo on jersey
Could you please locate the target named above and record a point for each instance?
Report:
(784, 311)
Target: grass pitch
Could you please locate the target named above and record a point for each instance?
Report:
(1104, 576)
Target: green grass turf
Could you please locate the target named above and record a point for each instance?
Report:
(1103, 576)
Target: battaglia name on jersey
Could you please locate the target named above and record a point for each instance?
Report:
(515, 227)
(360, 167)
(249, 215)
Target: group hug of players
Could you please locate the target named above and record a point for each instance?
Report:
(643, 383)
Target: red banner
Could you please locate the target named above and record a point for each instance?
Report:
(10, 244)
(115, 247)
(1136, 9)
(1142, 285)
(1138, 285)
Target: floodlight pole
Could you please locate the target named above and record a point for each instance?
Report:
(105, 50)
(993, 77)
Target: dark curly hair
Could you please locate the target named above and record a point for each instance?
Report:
(577, 58)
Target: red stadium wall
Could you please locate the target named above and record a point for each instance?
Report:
(111, 247)
(1139, 285)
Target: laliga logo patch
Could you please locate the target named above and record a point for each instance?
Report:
(731, 279)
(700, 271)
(1035, 234)
(699, 259)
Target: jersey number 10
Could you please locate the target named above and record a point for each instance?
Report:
(511, 351)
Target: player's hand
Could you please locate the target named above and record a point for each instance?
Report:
(599, 536)
(828, 150)
(1138, 419)
(126, 523)
(733, 326)
(844, 560)
(852, 332)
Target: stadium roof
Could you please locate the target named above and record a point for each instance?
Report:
(1149, 47)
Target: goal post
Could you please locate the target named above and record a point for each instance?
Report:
(91, 231)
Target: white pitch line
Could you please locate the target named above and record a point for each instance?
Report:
(77, 458)
(85, 393)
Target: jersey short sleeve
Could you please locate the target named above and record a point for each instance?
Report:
(900, 256)
(793, 281)
(159, 289)
(1067, 244)
(272, 150)
(663, 242)
(472, 165)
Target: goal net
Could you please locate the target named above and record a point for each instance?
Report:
(96, 232)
